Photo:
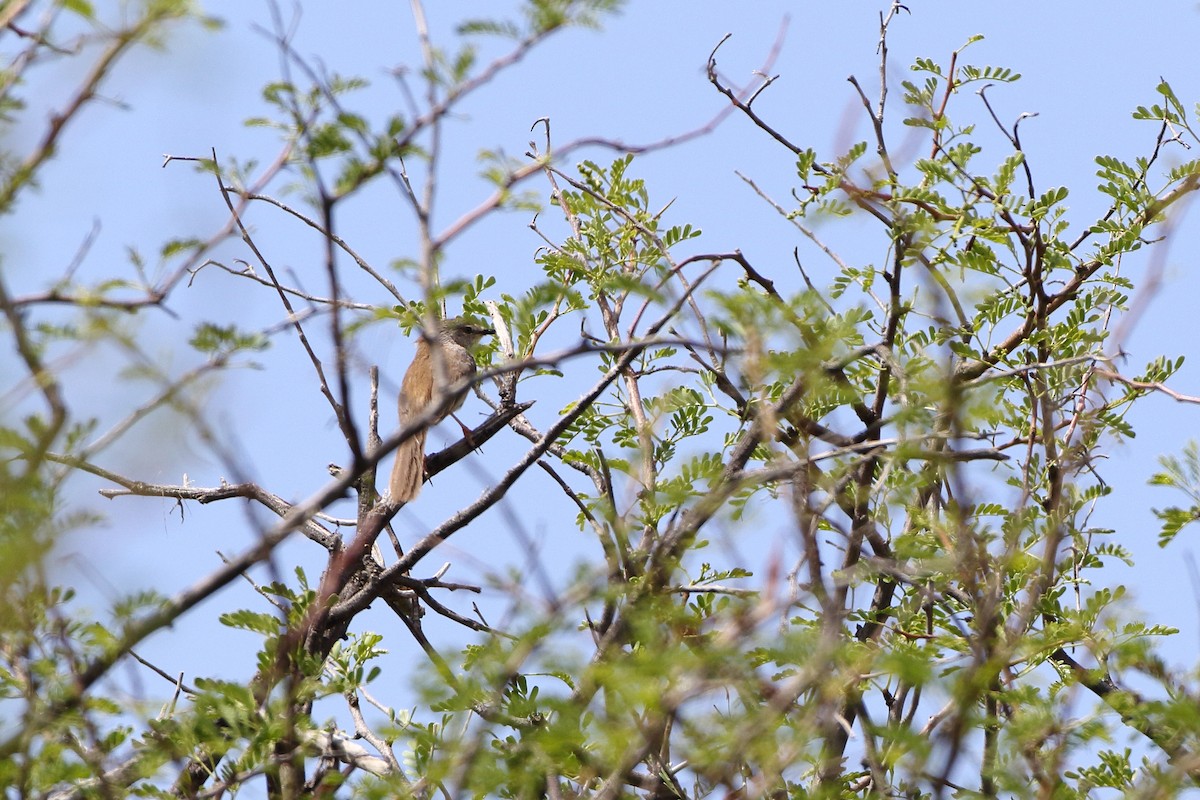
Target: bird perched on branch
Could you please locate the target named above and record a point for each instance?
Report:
(454, 342)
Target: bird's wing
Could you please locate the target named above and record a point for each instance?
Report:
(417, 388)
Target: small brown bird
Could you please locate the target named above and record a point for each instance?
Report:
(455, 339)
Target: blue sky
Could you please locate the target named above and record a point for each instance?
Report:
(1085, 67)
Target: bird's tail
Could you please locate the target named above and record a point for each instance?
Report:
(408, 473)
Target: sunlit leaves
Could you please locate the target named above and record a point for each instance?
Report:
(81, 7)
(214, 339)
(1045, 201)
(349, 664)
(1113, 770)
(255, 622)
(1181, 473)
(909, 440)
(489, 27)
(546, 15)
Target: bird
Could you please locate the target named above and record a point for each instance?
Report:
(455, 338)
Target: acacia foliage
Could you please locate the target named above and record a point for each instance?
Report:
(923, 428)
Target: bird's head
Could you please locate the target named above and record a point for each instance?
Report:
(464, 332)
